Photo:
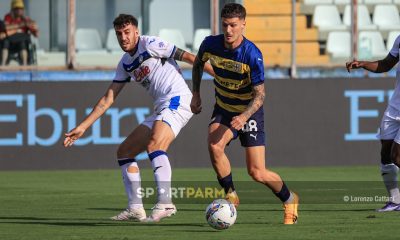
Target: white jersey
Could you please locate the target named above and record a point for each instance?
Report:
(154, 68)
(395, 100)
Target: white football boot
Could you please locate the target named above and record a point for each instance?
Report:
(161, 211)
(131, 214)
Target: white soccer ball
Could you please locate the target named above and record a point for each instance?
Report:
(221, 214)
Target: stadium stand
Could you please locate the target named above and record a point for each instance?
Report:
(371, 45)
(386, 17)
(173, 35)
(364, 21)
(199, 36)
(269, 26)
(112, 44)
(338, 46)
(327, 18)
(391, 38)
(88, 40)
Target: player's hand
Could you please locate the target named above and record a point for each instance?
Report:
(195, 104)
(238, 122)
(353, 65)
(73, 135)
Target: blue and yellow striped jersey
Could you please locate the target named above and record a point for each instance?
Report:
(236, 71)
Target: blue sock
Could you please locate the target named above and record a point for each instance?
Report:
(227, 183)
(283, 194)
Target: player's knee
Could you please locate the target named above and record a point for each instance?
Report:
(132, 169)
(256, 174)
(215, 148)
(122, 151)
(153, 145)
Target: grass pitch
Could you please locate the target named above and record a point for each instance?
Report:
(77, 204)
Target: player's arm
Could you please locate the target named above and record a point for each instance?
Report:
(98, 110)
(239, 121)
(197, 73)
(379, 66)
(182, 55)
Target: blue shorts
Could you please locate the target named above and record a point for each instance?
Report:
(252, 134)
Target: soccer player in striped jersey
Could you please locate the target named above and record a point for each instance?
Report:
(238, 111)
(150, 62)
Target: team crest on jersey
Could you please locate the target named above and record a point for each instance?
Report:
(161, 45)
(140, 58)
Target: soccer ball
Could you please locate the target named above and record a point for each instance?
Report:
(221, 214)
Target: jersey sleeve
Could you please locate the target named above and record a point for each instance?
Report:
(120, 74)
(160, 48)
(257, 68)
(395, 48)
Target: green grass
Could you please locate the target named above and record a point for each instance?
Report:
(76, 205)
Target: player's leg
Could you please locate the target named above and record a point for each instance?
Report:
(389, 135)
(219, 136)
(255, 160)
(162, 136)
(133, 145)
(165, 129)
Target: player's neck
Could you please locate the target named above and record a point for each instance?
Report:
(235, 44)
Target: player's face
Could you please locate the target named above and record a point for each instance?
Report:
(233, 30)
(127, 36)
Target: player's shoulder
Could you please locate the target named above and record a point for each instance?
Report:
(251, 47)
(149, 41)
(213, 40)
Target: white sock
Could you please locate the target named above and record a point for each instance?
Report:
(290, 199)
(162, 175)
(389, 175)
(132, 184)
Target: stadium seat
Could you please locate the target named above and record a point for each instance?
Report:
(363, 18)
(374, 2)
(88, 40)
(199, 36)
(338, 46)
(173, 36)
(317, 2)
(345, 2)
(386, 17)
(112, 44)
(327, 18)
(391, 38)
(371, 45)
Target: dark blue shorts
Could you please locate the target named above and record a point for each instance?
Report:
(252, 134)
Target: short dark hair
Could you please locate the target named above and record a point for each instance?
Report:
(232, 10)
(124, 19)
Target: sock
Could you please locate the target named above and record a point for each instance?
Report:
(162, 175)
(132, 183)
(389, 175)
(284, 194)
(227, 183)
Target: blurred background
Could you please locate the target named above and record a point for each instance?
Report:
(325, 34)
(316, 112)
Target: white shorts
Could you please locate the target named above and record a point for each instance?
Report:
(176, 113)
(390, 125)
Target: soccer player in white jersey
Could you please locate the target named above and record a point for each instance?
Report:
(389, 132)
(150, 62)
